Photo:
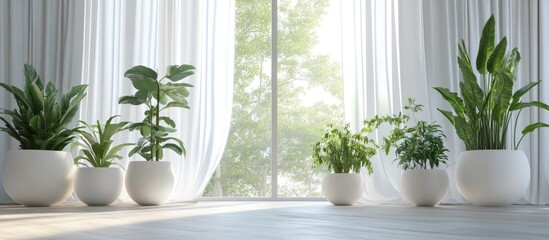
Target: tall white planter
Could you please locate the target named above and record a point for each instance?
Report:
(342, 189)
(98, 186)
(492, 177)
(150, 182)
(38, 178)
(424, 187)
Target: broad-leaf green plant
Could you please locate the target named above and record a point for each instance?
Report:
(42, 120)
(343, 151)
(157, 95)
(96, 144)
(481, 116)
(417, 144)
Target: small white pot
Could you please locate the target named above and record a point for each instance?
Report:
(492, 177)
(38, 178)
(150, 183)
(98, 186)
(342, 189)
(424, 187)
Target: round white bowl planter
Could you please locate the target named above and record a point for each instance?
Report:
(98, 186)
(425, 187)
(38, 178)
(492, 177)
(150, 183)
(342, 189)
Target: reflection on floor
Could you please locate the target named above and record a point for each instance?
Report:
(273, 220)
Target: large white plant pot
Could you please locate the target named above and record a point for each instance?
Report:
(150, 182)
(98, 186)
(38, 178)
(424, 187)
(342, 189)
(492, 177)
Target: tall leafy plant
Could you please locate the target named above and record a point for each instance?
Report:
(41, 120)
(96, 144)
(481, 116)
(157, 95)
(343, 151)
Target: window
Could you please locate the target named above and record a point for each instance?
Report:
(308, 94)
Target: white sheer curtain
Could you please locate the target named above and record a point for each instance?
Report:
(400, 49)
(46, 34)
(121, 34)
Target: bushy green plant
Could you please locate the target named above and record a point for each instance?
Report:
(419, 146)
(482, 116)
(343, 151)
(158, 95)
(41, 120)
(97, 145)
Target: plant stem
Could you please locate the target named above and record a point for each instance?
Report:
(157, 113)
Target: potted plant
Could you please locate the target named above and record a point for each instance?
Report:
(490, 172)
(151, 182)
(419, 150)
(40, 173)
(344, 154)
(96, 183)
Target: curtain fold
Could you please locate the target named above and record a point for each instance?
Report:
(46, 34)
(415, 51)
(122, 34)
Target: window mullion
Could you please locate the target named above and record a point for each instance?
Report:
(274, 99)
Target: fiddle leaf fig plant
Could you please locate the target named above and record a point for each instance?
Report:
(96, 144)
(157, 95)
(481, 116)
(42, 120)
(343, 151)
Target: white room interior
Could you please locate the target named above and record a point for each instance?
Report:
(269, 76)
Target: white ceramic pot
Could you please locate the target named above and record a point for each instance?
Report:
(424, 187)
(342, 189)
(98, 186)
(150, 182)
(492, 177)
(38, 178)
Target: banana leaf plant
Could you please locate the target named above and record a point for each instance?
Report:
(97, 145)
(41, 120)
(481, 116)
(157, 95)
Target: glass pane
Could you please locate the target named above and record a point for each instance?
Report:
(310, 88)
(245, 169)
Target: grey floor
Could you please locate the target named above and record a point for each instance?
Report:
(273, 220)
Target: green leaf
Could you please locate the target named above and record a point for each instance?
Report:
(168, 121)
(502, 91)
(140, 72)
(448, 115)
(177, 105)
(131, 100)
(519, 93)
(145, 131)
(465, 131)
(496, 58)
(173, 147)
(521, 105)
(455, 101)
(35, 96)
(145, 84)
(486, 45)
(176, 73)
(530, 128)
